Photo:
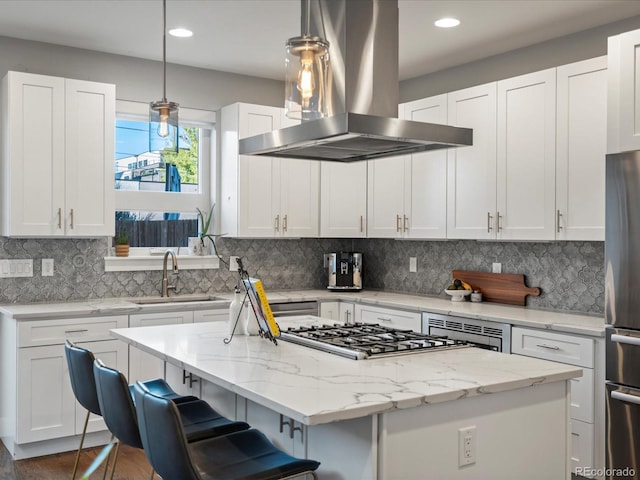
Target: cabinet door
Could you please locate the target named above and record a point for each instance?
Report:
(343, 194)
(330, 310)
(144, 366)
(526, 157)
(388, 317)
(471, 173)
(259, 177)
(299, 198)
(581, 148)
(46, 406)
(89, 146)
(114, 354)
(33, 185)
(425, 179)
(385, 192)
(624, 92)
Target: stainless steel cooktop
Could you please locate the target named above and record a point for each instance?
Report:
(361, 341)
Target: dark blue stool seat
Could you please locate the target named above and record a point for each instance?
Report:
(246, 455)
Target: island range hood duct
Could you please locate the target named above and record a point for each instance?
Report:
(363, 93)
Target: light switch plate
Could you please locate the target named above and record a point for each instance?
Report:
(413, 264)
(16, 268)
(47, 267)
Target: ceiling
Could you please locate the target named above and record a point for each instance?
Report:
(248, 36)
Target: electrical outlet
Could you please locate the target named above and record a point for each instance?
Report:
(413, 264)
(466, 446)
(233, 264)
(496, 267)
(47, 267)
(327, 260)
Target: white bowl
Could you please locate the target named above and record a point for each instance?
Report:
(458, 295)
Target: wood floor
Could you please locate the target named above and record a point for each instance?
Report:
(132, 465)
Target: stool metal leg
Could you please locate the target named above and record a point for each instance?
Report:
(115, 461)
(84, 431)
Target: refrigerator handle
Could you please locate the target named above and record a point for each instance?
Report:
(625, 397)
(625, 339)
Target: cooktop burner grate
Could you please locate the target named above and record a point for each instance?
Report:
(363, 340)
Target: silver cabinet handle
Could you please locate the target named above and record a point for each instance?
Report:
(60, 218)
(284, 223)
(71, 215)
(548, 347)
(361, 223)
(80, 330)
(382, 319)
(291, 423)
(558, 216)
(398, 227)
(348, 315)
(188, 375)
(405, 223)
(499, 221)
(625, 397)
(489, 222)
(277, 223)
(625, 339)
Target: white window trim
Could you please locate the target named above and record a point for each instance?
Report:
(143, 259)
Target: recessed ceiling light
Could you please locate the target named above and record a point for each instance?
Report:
(180, 32)
(447, 22)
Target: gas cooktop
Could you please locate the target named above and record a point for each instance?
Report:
(360, 341)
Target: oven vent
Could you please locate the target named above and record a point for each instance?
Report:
(454, 325)
(437, 322)
(472, 328)
(496, 332)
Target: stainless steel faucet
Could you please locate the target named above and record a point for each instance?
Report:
(165, 279)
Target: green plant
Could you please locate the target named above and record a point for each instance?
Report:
(204, 221)
(122, 238)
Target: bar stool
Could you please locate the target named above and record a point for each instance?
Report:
(198, 419)
(246, 454)
(80, 365)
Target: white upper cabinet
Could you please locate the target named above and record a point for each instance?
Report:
(57, 157)
(343, 194)
(264, 197)
(623, 116)
(526, 157)
(471, 178)
(407, 194)
(580, 150)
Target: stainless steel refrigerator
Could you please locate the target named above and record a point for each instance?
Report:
(622, 312)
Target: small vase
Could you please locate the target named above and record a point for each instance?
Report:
(196, 246)
(122, 250)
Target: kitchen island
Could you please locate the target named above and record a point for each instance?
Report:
(392, 418)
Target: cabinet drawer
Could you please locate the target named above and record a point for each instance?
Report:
(55, 332)
(165, 318)
(388, 317)
(217, 315)
(582, 437)
(582, 396)
(556, 347)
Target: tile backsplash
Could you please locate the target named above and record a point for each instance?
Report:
(570, 274)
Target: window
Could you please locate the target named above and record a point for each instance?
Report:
(158, 194)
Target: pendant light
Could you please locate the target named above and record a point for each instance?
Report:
(306, 63)
(163, 115)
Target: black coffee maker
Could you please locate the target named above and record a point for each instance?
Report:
(345, 271)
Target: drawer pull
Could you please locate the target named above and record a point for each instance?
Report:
(81, 330)
(625, 339)
(382, 319)
(548, 347)
(625, 397)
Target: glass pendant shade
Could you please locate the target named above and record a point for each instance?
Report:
(163, 126)
(307, 62)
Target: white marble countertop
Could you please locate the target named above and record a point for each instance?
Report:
(314, 387)
(582, 324)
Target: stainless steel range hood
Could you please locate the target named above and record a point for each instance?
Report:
(363, 89)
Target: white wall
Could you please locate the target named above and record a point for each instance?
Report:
(137, 79)
(571, 48)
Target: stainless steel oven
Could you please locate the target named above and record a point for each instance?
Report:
(484, 334)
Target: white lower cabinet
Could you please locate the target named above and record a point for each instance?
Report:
(217, 315)
(340, 311)
(587, 395)
(45, 406)
(388, 317)
(143, 366)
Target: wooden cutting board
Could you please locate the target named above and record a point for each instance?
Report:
(506, 288)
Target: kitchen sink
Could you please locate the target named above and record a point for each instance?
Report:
(177, 299)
